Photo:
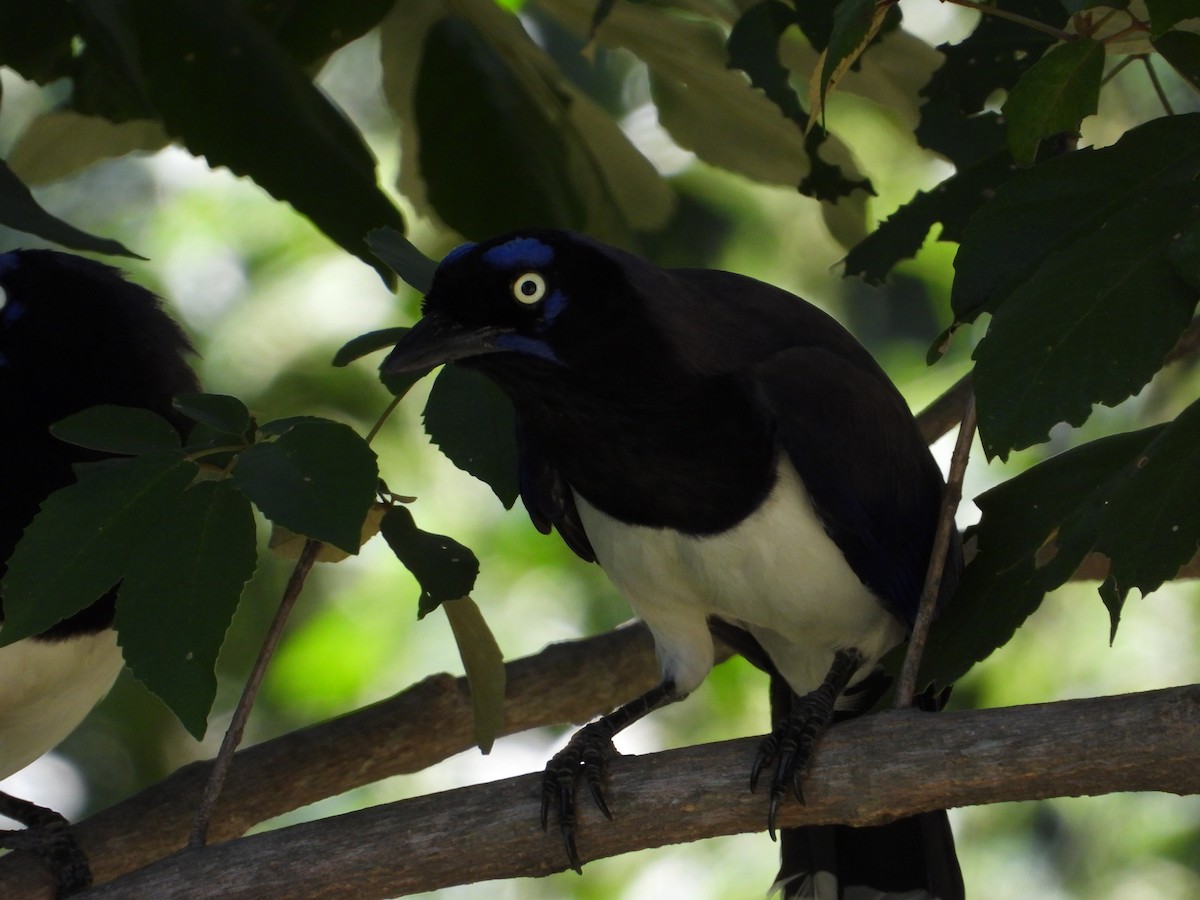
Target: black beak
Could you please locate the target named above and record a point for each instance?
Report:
(434, 340)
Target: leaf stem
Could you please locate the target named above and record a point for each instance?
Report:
(1116, 70)
(988, 10)
(237, 725)
(906, 687)
(391, 407)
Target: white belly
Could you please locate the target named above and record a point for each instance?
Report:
(776, 573)
(46, 688)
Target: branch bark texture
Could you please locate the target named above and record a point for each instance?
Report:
(867, 771)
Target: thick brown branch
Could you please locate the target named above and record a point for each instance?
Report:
(868, 771)
(568, 682)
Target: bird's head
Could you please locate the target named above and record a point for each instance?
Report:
(74, 333)
(534, 304)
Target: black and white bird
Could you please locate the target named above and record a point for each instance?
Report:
(737, 463)
(73, 334)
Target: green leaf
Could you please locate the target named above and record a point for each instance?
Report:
(854, 24)
(231, 94)
(1166, 14)
(1092, 325)
(1063, 201)
(472, 422)
(499, 119)
(79, 544)
(402, 257)
(1017, 557)
(565, 161)
(313, 476)
(19, 211)
(61, 142)
(1053, 96)
(179, 593)
(1182, 50)
(995, 55)
(444, 568)
(117, 429)
(311, 31)
(358, 347)
(952, 203)
(1149, 526)
(754, 48)
(484, 665)
(220, 412)
(1183, 251)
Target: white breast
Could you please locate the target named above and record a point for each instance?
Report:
(776, 573)
(46, 688)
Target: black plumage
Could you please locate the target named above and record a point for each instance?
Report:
(731, 456)
(73, 334)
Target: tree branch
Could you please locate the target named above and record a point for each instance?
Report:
(567, 682)
(868, 771)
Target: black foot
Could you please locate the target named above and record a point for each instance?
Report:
(586, 754)
(49, 836)
(790, 745)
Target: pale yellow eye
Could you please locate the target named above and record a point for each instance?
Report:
(529, 287)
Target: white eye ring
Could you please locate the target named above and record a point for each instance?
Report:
(529, 287)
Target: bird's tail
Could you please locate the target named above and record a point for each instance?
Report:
(909, 859)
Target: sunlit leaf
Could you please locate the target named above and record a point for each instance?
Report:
(1054, 95)
(484, 665)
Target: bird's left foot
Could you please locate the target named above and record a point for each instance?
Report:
(48, 835)
(587, 755)
(790, 745)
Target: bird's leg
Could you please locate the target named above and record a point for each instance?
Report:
(792, 741)
(48, 835)
(587, 754)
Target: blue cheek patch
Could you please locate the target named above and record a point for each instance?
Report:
(520, 253)
(519, 343)
(552, 306)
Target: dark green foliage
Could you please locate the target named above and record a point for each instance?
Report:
(314, 477)
(443, 567)
(117, 429)
(472, 422)
(1072, 259)
(179, 593)
(21, 212)
(80, 544)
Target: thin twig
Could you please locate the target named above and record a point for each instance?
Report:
(1015, 17)
(1158, 88)
(906, 688)
(237, 725)
(1117, 70)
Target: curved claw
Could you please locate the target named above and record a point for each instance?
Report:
(586, 754)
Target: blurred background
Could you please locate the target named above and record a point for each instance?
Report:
(268, 299)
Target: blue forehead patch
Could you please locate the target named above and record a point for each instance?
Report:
(460, 250)
(520, 253)
(9, 260)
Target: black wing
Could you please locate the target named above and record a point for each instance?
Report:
(872, 480)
